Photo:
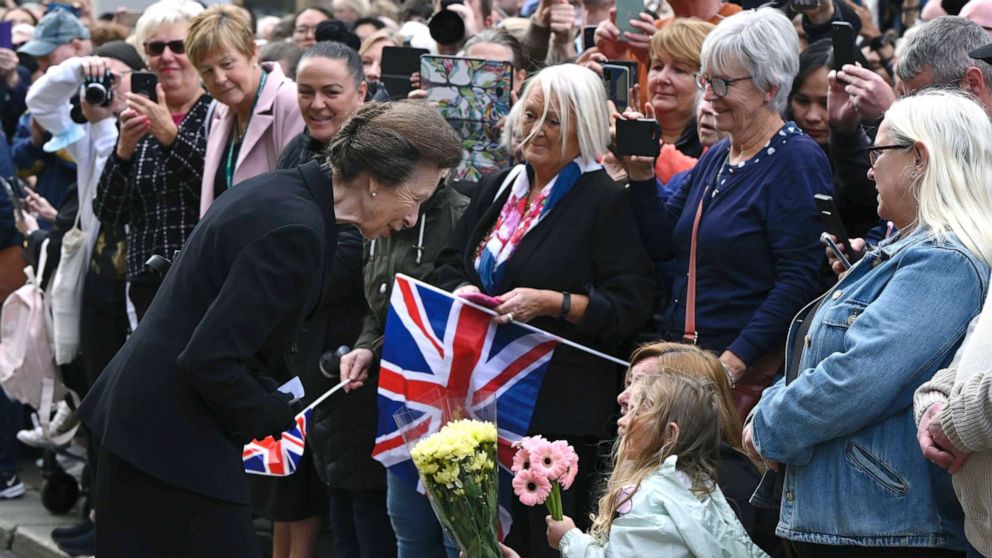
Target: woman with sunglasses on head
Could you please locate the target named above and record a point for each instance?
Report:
(151, 182)
(896, 318)
(257, 115)
(742, 229)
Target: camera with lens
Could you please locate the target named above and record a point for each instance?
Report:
(99, 91)
(447, 27)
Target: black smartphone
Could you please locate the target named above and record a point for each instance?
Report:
(803, 5)
(143, 83)
(616, 79)
(6, 34)
(836, 250)
(631, 66)
(588, 37)
(842, 35)
(14, 191)
(830, 218)
(638, 137)
(398, 64)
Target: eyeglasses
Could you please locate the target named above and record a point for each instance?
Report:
(875, 151)
(305, 29)
(156, 48)
(720, 86)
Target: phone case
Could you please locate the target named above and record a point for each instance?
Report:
(617, 82)
(144, 83)
(6, 30)
(472, 95)
(628, 10)
(398, 64)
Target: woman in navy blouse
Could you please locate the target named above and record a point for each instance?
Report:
(749, 201)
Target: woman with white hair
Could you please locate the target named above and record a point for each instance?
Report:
(554, 241)
(743, 228)
(841, 423)
(152, 180)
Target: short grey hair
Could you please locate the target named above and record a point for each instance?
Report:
(165, 12)
(579, 99)
(942, 46)
(764, 43)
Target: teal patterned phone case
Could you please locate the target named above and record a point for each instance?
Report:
(473, 96)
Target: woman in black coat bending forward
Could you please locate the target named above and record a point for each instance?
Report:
(177, 403)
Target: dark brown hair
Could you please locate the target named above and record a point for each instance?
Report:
(387, 140)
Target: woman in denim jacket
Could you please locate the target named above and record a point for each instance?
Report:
(855, 483)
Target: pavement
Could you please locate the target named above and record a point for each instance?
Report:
(25, 524)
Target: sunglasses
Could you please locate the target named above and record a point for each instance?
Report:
(156, 48)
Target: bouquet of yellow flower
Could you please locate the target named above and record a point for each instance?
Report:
(457, 466)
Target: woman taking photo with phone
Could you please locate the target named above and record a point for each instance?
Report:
(152, 180)
(257, 115)
(743, 229)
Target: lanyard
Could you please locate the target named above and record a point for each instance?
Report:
(229, 169)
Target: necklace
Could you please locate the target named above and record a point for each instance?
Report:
(240, 135)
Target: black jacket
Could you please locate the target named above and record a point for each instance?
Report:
(588, 244)
(182, 396)
(342, 428)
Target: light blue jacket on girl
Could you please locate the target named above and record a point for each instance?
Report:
(844, 427)
(666, 519)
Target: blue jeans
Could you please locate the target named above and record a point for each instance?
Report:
(418, 533)
(11, 420)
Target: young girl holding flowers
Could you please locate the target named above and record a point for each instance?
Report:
(661, 498)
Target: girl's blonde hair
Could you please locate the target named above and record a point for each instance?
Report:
(693, 361)
(659, 400)
(954, 192)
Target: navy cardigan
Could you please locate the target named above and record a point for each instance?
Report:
(758, 256)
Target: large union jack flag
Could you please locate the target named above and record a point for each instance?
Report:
(278, 458)
(434, 341)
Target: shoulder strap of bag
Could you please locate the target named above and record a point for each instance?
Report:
(795, 349)
(35, 275)
(691, 336)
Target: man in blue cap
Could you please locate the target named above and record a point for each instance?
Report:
(59, 36)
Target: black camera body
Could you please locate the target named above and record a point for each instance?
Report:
(446, 26)
(638, 137)
(99, 91)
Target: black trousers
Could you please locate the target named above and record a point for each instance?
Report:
(807, 550)
(102, 332)
(140, 515)
(142, 293)
(360, 524)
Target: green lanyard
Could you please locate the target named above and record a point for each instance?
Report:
(229, 170)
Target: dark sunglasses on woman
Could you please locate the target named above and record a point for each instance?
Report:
(156, 48)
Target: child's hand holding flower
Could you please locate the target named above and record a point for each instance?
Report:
(557, 529)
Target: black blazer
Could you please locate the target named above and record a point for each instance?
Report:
(588, 244)
(182, 396)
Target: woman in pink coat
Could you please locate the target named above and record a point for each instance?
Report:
(256, 114)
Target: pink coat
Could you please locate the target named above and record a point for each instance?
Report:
(275, 122)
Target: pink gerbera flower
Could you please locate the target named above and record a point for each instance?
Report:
(530, 443)
(550, 460)
(521, 461)
(572, 461)
(531, 487)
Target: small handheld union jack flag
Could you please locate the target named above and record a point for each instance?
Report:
(278, 458)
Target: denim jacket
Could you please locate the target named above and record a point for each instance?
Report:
(844, 428)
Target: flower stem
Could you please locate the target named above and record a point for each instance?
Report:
(554, 502)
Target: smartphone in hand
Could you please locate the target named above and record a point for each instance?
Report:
(481, 299)
(144, 83)
(628, 10)
(830, 218)
(838, 253)
(638, 137)
(616, 79)
(843, 37)
(6, 34)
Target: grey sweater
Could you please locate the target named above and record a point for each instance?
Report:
(966, 390)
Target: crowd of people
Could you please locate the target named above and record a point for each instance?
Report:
(796, 387)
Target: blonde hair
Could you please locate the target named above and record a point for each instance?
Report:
(690, 360)
(166, 12)
(692, 404)
(954, 192)
(380, 35)
(579, 98)
(220, 27)
(682, 39)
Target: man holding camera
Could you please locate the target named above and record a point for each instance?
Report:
(104, 80)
